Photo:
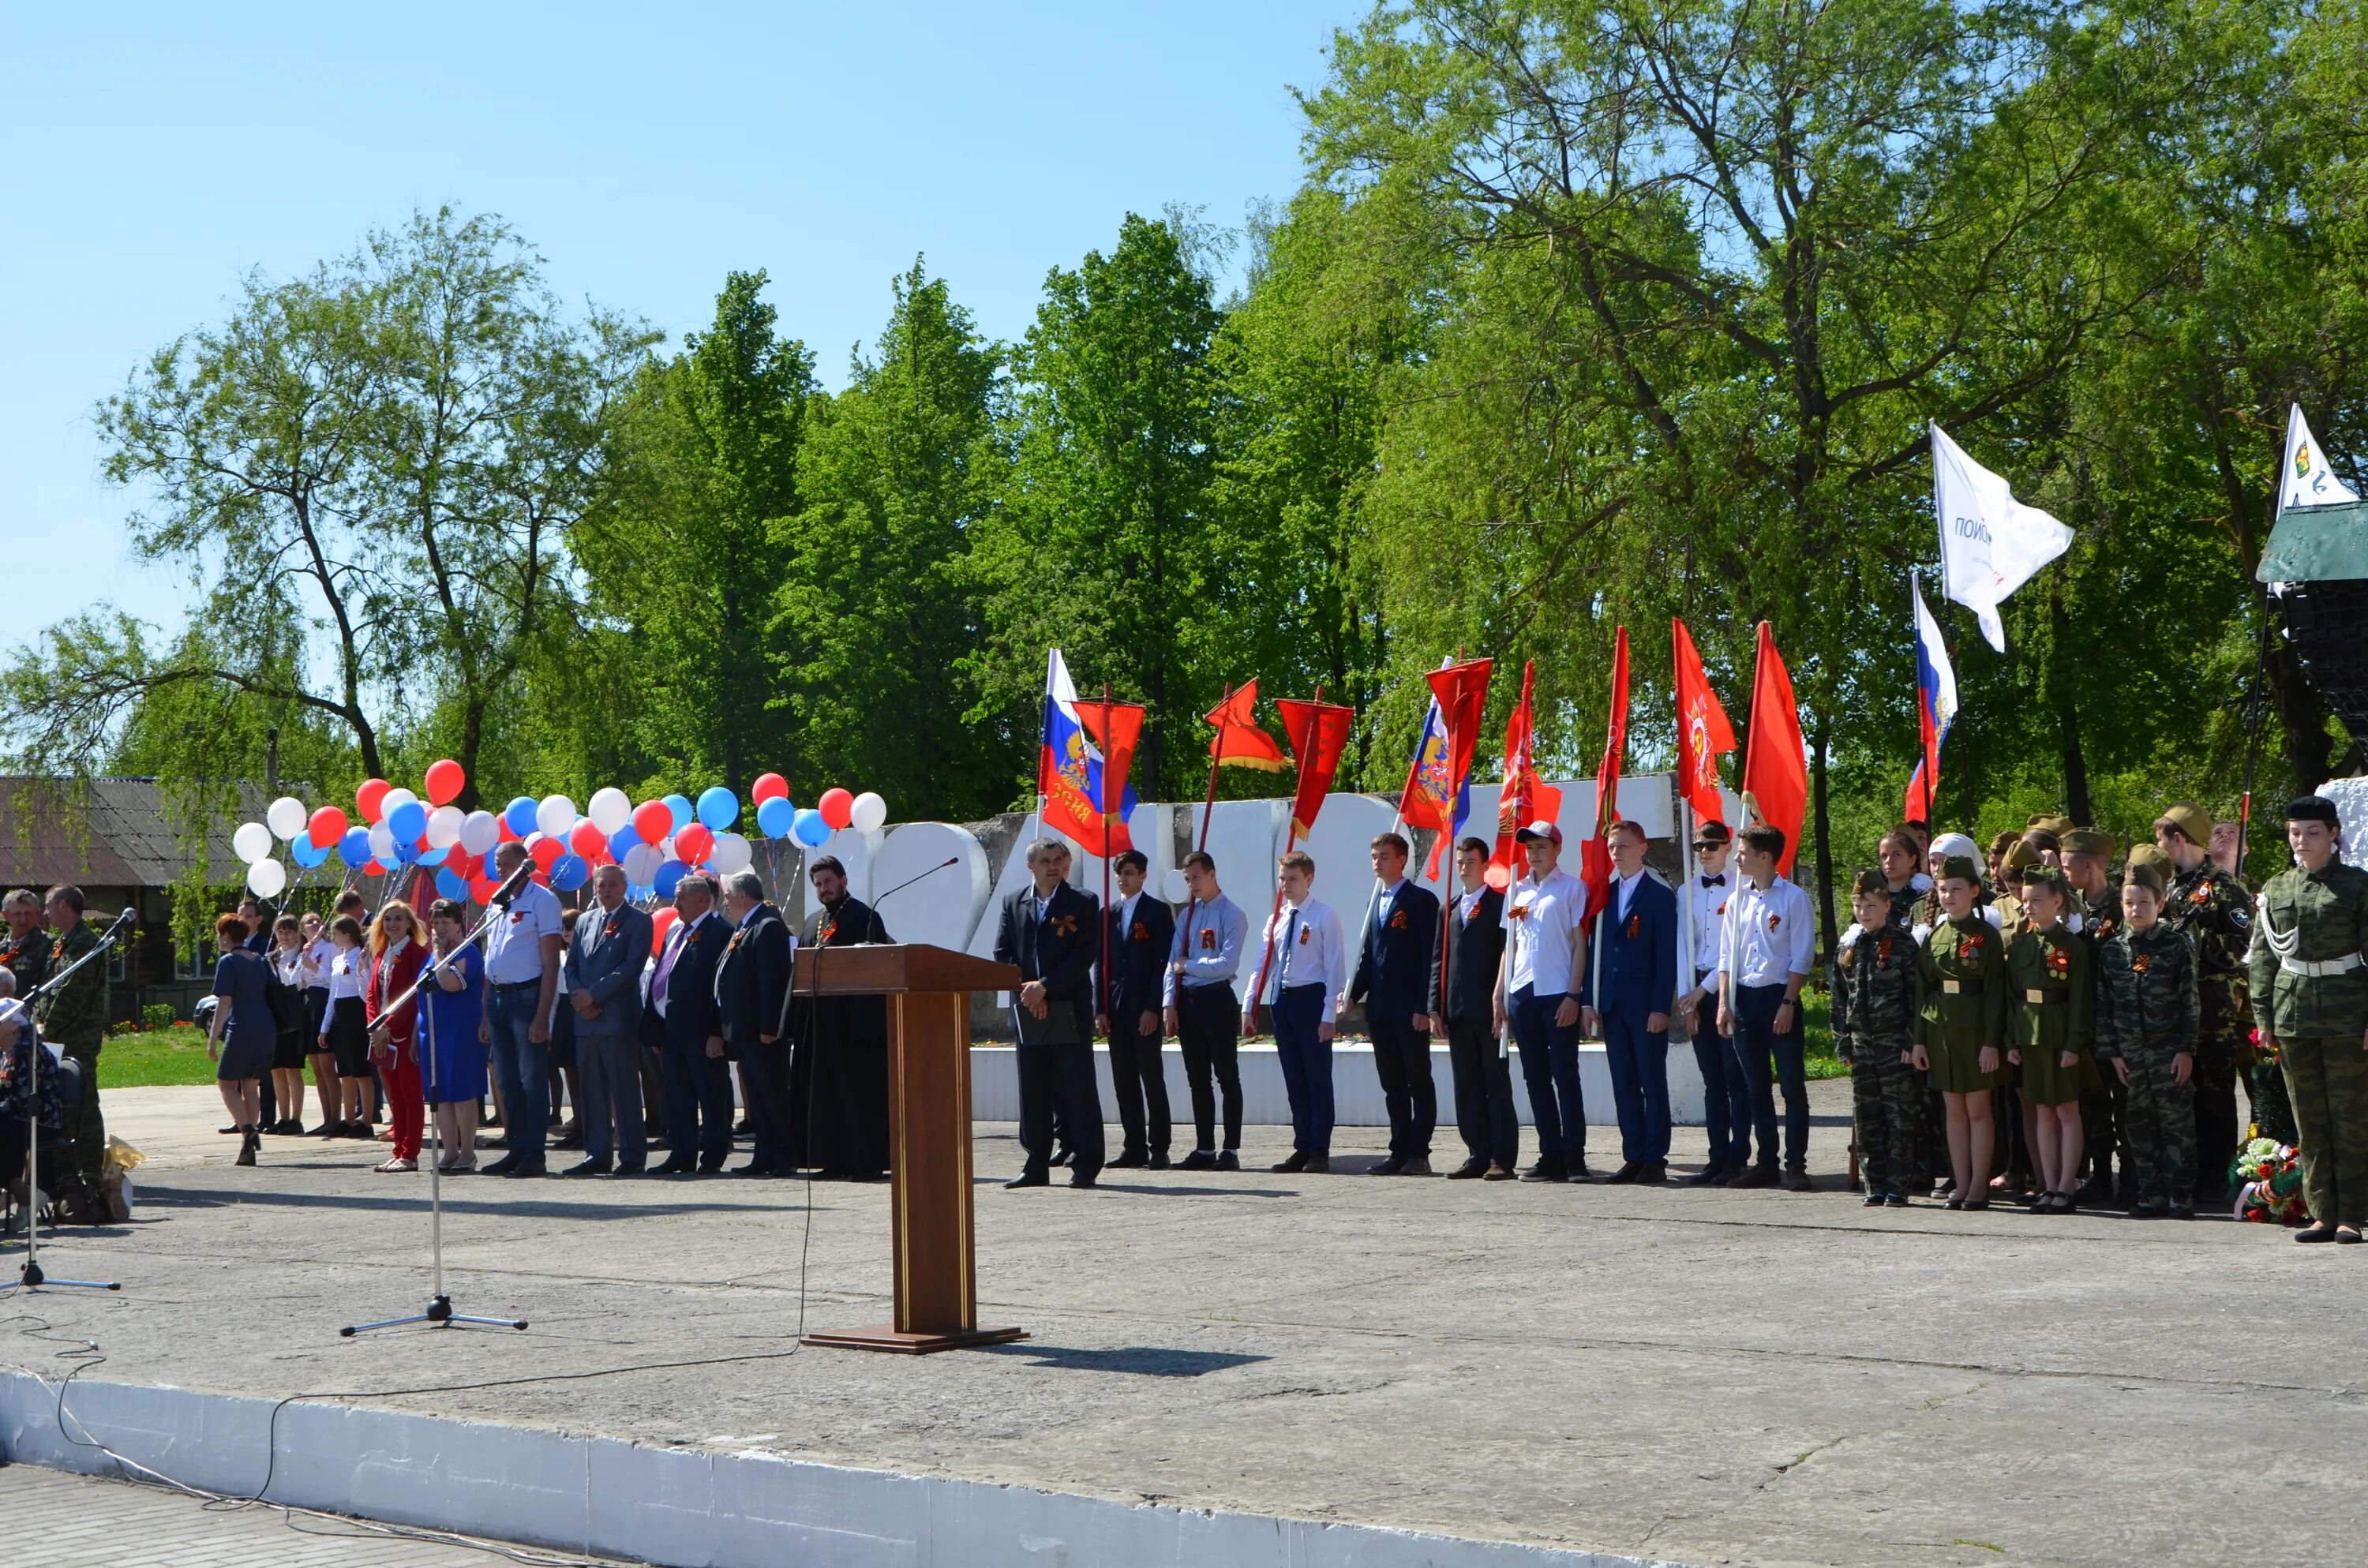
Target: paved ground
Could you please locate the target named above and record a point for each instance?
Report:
(74, 1521)
(1760, 1377)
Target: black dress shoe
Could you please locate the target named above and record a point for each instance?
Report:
(590, 1167)
(1654, 1174)
(1197, 1160)
(755, 1168)
(1030, 1178)
(673, 1168)
(1758, 1176)
(1546, 1170)
(537, 1169)
(1291, 1167)
(570, 1140)
(1062, 1157)
(1082, 1178)
(709, 1167)
(1317, 1165)
(1157, 1163)
(1627, 1173)
(1470, 1170)
(1390, 1166)
(1128, 1161)
(1709, 1176)
(233, 1127)
(1229, 1159)
(502, 1166)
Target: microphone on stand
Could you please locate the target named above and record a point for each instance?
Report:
(908, 882)
(504, 895)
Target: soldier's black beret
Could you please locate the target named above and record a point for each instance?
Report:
(2314, 808)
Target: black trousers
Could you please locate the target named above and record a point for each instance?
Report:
(1209, 1032)
(697, 1090)
(1139, 1082)
(765, 1076)
(1402, 1060)
(1060, 1078)
(1485, 1119)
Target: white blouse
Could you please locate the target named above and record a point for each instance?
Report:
(348, 972)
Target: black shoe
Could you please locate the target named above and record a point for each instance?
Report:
(1626, 1174)
(502, 1166)
(1229, 1159)
(1082, 1178)
(1546, 1170)
(2042, 1203)
(1030, 1178)
(2182, 1207)
(755, 1168)
(591, 1167)
(1758, 1176)
(1291, 1167)
(1874, 1200)
(673, 1168)
(1653, 1174)
(2317, 1231)
(1896, 1199)
(2096, 1192)
(568, 1140)
(1317, 1165)
(247, 1146)
(233, 1127)
(1128, 1161)
(1798, 1181)
(2150, 1208)
(1062, 1157)
(1391, 1166)
(537, 1169)
(1157, 1163)
(1470, 1170)
(709, 1167)
(1197, 1160)
(1709, 1176)
(327, 1130)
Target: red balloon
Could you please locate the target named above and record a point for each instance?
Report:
(652, 819)
(693, 843)
(327, 825)
(444, 781)
(370, 798)
(482, 889)
(546, 851)
(374, 869)
(543, 876)
(837, 807)
(509, 833)
(587, 840)
(767, 787)
(462, 864)
(660, 924)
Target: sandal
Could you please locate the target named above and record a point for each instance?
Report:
(396, 1166)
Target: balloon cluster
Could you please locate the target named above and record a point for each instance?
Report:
(779, 817)
(2269, 1176)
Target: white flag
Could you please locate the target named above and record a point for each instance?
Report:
(2306, 481)
(1990, 542)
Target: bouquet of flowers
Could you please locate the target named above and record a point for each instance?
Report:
(2269, 1176)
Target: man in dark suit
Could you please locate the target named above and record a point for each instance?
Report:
(752, 992)
(839, 1076)
(1463, 985)
(1626, 999)
(1395, 957)
(696, 1081)
(604, 987)
(1136, 937)
(1050, 930)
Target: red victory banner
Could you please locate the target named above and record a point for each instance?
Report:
(1775, 765)
(1319, 734)
(1703, 732)
(1437, 794)
(1595, 855)
(1239, 741)
(1525, 798)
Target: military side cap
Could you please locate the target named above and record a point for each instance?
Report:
(2314, 808)
(2058, 824)
(2154, 859)
(2042, 874)
(2193, 823)
(1870, 882)
(2141, 875)
(2086, 841)
(1961, 867)
(2022, 853)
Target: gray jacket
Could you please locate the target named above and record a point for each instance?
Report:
(604, 962)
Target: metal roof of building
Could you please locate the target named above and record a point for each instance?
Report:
(104, 833)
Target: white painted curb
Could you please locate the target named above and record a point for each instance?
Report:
(684, 1508)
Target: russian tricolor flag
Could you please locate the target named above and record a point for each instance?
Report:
(1069, 765)
(1936, 706)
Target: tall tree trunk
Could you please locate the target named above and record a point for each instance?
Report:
(2077, 803)
(1828, 933)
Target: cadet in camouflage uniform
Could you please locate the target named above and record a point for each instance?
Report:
(73, 1019)
(2097, 917)
(1874, 1031)
(2209, 905)
(2309, 973)
(25, 948)
(2147, 1009)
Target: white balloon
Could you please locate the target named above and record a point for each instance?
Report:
(382, 842)
(286, 816)
(642, 863)
(444, 827)
(869, 815)
(609, 809)
(1174, 888)
(393, 799)
(252, 841)
(556, 815)
(480, 831)
(266, 879)
(731, 853)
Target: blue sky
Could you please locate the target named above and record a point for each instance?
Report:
(156, 153)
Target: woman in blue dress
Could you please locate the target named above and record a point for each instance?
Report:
(243, 1033)
(452, 1045)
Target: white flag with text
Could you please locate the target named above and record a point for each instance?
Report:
(1990, 542)
(2306, 481)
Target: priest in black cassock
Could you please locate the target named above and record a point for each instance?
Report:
(839, 1077)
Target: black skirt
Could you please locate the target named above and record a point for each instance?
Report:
(350, 1038)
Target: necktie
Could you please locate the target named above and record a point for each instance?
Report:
(675, 940)
(1290, 939)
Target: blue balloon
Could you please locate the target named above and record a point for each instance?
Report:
(680, 806)
(519, 814)
(719, 808)
(407, 822)
(669, 877)
(809, 829)
(354, 848)
(449, 883)
(623, 839)
(569, 872)
(404, 852)
(433, 857)
(302, 851)
(776, 817)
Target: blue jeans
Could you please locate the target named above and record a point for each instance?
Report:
(1726, 1097)
(523, 1069)
(1756, 1041)
(1550, 1068)
(1640, 1088)
(1297, 1014)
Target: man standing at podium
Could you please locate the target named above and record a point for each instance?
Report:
(752, 992)
(839, 1079)
(1142, 930)
(1052, 931)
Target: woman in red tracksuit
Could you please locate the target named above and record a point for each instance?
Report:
(398, 951)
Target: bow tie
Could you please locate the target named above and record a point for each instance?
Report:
(1716, 881)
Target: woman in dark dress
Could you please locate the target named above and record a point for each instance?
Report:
(242, 1012)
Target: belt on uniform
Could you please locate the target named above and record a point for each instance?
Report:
(518, 985)
(2048, 995)
(1961, 988)
(2322, 968)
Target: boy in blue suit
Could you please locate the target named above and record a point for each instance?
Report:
(1392, 980)
(1626, 1000)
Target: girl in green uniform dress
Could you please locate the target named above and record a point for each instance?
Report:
(2050, 1032)
(1961, 1024)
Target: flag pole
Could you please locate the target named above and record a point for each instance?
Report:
(1301, 744)
(1925, 764)
(1208, 806)
(1103, 805)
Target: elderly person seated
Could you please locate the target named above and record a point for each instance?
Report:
(22, 1087)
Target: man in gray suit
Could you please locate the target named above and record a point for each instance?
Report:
(604, 986)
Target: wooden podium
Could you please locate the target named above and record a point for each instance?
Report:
(928, 1121)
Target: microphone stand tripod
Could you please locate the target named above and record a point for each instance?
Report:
(439, 1311)
(32, 1278)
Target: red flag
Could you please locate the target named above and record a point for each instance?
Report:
(1239, 740)
(1703, 732)
(1116, 727)
(1595, 855)
(1436, 780)
(1525, 798)
(1319, 733)
(1775, 772)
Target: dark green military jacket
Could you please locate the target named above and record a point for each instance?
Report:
(2146, 992)
(28, 960)
(2211, 906)
(1879, 995)
(75, 1015)
(1962, 1006)
(2051, 1009)
(2311, 918)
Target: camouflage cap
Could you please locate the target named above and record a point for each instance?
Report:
(1870, 883)
(2146, 855)
(2086, 841)
(2193, 823)
(2042, 875)
(1961, 867)
(2141, 875)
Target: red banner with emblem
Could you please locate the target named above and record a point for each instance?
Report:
(1319, 734)
(1525, 798)
(1703, 732)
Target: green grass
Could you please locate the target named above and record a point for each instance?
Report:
(1818, 1060)
(175, 1055)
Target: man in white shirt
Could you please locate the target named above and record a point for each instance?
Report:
(1301, 976)
(1771, 941)
(1545, 959)
(1206, 1014)
(521, 989)
(1727, 1094)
